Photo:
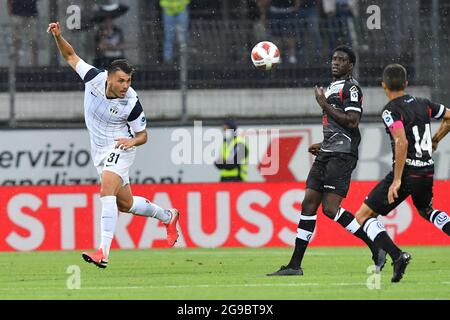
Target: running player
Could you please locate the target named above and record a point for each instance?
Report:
(117, 125)
(407, 121)
(329, 178)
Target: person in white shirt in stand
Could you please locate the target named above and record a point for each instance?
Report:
(117, 125)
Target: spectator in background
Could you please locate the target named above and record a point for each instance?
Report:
(109, 43)
(24, 14)
(340, 24)
(282, 18)
(176, 21)
(260, 27)
(310, 18)
(233, 161)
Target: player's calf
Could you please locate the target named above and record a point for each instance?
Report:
(377, 233)
(143, 207)
(350, 223)
(305, 230)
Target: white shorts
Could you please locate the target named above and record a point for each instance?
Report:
(115, 160)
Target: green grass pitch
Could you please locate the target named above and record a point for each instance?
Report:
(233, 274)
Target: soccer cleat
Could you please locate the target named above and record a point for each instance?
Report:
(400, 266)
(379, 260)
(96, 258)
(171, 227)
(286, 271)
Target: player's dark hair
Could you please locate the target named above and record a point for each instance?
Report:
(395, 76)
(121, 65)
(349, 51)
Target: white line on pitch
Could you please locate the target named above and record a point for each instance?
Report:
(246, 253)
(306, 284)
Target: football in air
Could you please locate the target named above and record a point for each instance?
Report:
(265, 55)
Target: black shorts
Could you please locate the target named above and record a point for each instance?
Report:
(332, 172)
(419, 186)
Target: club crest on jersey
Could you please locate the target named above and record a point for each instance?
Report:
(143, 120)
(114, 110)
(387, 118)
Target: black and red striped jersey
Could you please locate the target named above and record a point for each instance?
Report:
(346, 96)
(414, 114)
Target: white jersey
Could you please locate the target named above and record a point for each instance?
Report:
(108, 119)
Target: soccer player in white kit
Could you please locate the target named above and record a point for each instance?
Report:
(117, 125)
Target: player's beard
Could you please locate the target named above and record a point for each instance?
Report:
(119, 94)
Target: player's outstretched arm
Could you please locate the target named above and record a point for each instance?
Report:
(442, 131)
(64, 47)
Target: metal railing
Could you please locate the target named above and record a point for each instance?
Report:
(217, 57)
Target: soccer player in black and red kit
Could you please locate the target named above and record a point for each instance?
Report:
(407, 121)
(329, 178)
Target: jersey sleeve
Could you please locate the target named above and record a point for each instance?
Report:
(137, 119)
(86, 71)
(392, 118)
(352, 98)
(436, 111)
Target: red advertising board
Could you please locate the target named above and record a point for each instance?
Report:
(212, 215)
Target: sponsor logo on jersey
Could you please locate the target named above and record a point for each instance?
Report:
(143, 120)
(419, 163)
(354, 96)
(387, 118)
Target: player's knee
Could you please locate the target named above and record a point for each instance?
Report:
(308, 208)
(330, 212)
(362, 215)
(111, 184)
(108, 189)
(124, 205)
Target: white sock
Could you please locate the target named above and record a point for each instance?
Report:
(108, 222)
(306, 227)
(373, 227)
(143, 207)
(439, 219)
(347, 220)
